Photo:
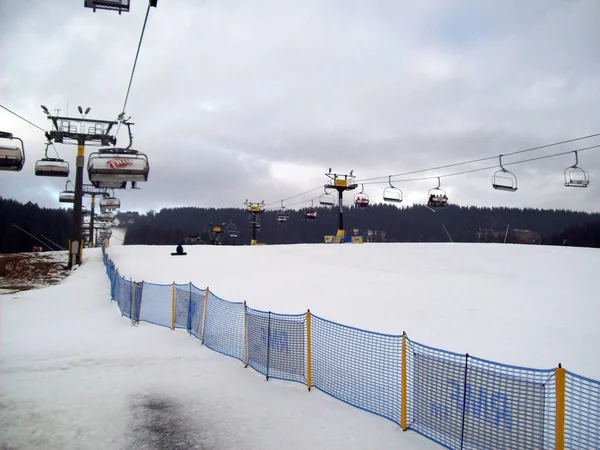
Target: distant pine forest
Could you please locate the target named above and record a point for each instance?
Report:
(376, 223)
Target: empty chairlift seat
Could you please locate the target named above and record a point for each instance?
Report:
(52, 167)
(106, 217)
(11, 158)
(66, 197)
(115, 168)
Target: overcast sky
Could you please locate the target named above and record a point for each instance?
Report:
(258, 99)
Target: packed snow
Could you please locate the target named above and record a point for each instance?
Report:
(78, 375)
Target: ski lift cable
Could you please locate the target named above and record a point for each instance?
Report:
(489, 167)
(473, 161)
(294, 196)
(369, 181)
(137, 53)
(30, 123)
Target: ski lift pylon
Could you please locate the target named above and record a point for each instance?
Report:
(12, 157)
(575, 176)
(361, 200)
(391, 193)
(503, 180)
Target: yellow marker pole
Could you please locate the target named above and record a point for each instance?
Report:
(245, 335)
(173, 306)
(403, 395)
(308, 351)
(204, 315)
(560, 378)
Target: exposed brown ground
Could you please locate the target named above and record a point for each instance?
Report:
(24, 271)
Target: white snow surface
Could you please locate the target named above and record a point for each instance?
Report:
(525, 305)
(77, 375)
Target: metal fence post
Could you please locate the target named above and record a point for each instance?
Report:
(403, 390)
(173, 306)
(308, 350)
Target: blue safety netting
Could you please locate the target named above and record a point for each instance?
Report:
(456, 400)
(183, 297)
(196, 315)
(359, 367)
(156, 304)
(277, 344)
(582, 412)
(224, 326)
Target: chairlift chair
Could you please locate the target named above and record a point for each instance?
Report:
(12, 157)
(575, 176)
(115, 167)
(66, 197)
(437, 197)
(391, 193)
(52, 167)
(504, 180)
(110, 203)
(108, 217)
(311, 214)
(361, 200)
(282, 217)
(326, 199)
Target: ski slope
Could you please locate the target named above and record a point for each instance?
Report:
(527, 305)
(75, 374)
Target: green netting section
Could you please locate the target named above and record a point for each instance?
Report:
(224, 332)
(356, 366)
(582, 412)
(277, 344)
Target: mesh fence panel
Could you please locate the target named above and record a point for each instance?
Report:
(224, 331)
(125, 297)
(435, 380)
(182, 305)
(507, 406)
(277, 344)
(156, 304)
(359, 367)
(137, 302)
(582, 412)
(196, 311)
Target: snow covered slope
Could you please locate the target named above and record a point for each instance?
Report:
(527, 305)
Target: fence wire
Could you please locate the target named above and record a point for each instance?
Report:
(157, 304)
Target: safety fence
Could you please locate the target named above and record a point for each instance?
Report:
(456, 400)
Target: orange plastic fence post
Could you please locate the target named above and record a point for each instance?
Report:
(403, 390)
(559, 435)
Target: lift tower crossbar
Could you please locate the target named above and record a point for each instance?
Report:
(79, 131)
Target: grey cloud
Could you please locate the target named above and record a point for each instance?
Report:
(225, 91)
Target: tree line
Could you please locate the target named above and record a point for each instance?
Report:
(380, 222)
